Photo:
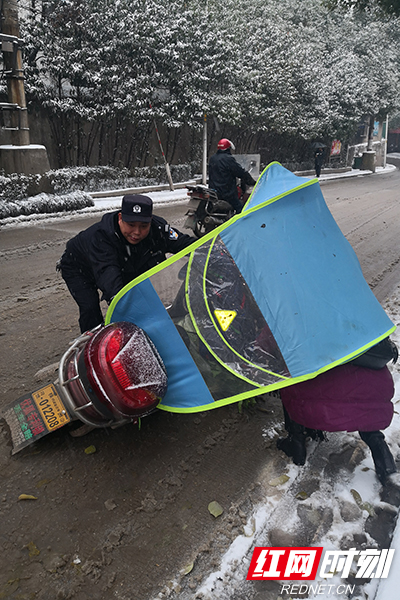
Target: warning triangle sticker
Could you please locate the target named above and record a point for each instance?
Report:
(225, 318)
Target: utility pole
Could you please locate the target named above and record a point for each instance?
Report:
(204, 165)
(168, 170)
(385, 148)
(17, 154)
(13, 69)
(204, 175)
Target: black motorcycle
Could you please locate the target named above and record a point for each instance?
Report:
(205, 210)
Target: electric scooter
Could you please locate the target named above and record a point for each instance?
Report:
(108, 377)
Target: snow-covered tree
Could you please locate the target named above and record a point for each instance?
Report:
(103, 70)
(389, 7)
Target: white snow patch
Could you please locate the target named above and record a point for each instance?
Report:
(25, 147)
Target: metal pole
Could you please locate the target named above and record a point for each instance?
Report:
(171, 184)
(386, 141)
(204, 178)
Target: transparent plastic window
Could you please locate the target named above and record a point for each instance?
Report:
(219, 321)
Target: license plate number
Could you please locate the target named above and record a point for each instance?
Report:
(190, 222)
(51, 407)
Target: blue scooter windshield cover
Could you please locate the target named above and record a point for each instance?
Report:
(273, 297)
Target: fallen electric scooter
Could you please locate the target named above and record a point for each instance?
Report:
(108, 377)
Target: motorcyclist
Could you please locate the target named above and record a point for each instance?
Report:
(223, 169)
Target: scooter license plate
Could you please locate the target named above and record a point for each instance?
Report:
(190, 222)
(51, 407)
(34, 415)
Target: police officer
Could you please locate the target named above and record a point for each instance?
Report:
(223, 169)
(109, 254)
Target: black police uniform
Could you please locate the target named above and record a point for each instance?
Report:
(100, 258)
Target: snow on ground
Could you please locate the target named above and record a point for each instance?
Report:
(389, 588)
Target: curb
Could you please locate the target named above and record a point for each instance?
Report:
(163, 187)
(355, 173)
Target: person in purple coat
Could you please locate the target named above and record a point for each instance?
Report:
(350, 397)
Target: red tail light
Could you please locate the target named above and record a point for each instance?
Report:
(125, 370)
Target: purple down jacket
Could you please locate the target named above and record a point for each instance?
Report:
(346, 398)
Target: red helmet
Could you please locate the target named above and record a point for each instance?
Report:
(224, 144)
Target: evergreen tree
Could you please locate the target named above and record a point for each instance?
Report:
(103, 70)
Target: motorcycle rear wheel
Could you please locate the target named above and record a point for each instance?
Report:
(200, 229)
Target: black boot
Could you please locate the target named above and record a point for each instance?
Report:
(315, 434)
(295, 444)
(381, 455)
